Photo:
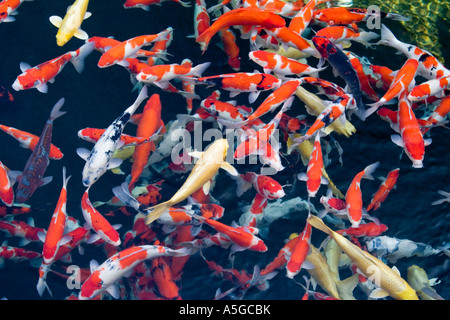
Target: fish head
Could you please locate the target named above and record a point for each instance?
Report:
(324, 46)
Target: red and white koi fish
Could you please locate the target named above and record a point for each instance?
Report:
(97, 222)
(28, 140)
(335, 206)
(243, 82)
(404, 80)
(103, 44)
(129, 48)
(104, 277)
(437, 116)
(9, 8)
(282, 256)
(390, 116)
(250, 16)
(6, 186)
(364, 81)
(32, 176)
(428, 66)
(297, 259)
(145, 4)
(201, 20)
(149, 124)
(280, 65)
(345, 16)
(14, 210)
(17, 254)
(69, 26)
(314, 173)
(285, 9)
(25, 230)
(370, 229)
(353, 197)
(222, 109)
(303, 17)
(381, 77)
(99, 159)
(410, 138)
(429, 88)
(54, 237)
(384, 189)
(76, 237)
(38, 76)
(161, 74)
(93, 134)
(340, 34)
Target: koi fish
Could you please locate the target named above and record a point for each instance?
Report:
(404, 80)
(429, 88)
(98, 223)
(335, 206)
(25, 230)
(370, 229)
(410, 138)
(250, 16)
(93, 134)
(145, 4)
(38, 76)
(28, 140)
(428, 66)
(297, 259)
(342, 34)
(280, 65)
(54, 237)
(364, 81)
(201, 20)
(204, 170)
(127, 49)
(103, 277)
(6, 186)
(345, 16)
(390, 282)
(418, 279)
(230, 48)
(342, 65)
(6, 98)
(69, 26)
(303, 17)
(353, 197)
(289, 38)
(281, 258)
(384, 189)
(32, 175)
(163, 278)
(14, 210)
(9, 8)
(445, 199)
(314, 172)
(99, 159)
(243, 82)
(17, 254)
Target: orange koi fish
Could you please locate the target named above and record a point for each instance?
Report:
(145, 4)
(9, 8)
(384, 189)
(231, 48)
(38, 76)
(339, 34)
(250, 16)
(364, 81)
(429, 88)
(6, 190)
(297, 259)
(353, 197)
(437, 116)
(410, 139)
(370, 229)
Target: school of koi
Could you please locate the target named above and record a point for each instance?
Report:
(306, 53)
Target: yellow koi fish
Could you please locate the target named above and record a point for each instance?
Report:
(204, 170)
(388, 280)
(70, 25)
(418, 279)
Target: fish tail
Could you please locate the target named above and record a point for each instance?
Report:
(185, 4)
(370, 169)
(199, 69)
(156, 211)
(56, 112)
(387, 37)
(80, 54)
(41, 286)
(123, 194)
(65, 179)
(317, 223)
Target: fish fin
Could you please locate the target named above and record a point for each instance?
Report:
(378, 293)
(253, 96)
(316, 222)
(42, 88)
(206, 187)
(9, 19)
(397, 139)
(24, 66)
(56, 112)
(427, 142)
(83, 153)
(78, 60)
(45, 180)
(156, 211)
(345, 287)
(81, 34)
(93, 265)
(302, 176)
(113, 290)
(229, 168)
(308, 265)
(56, 21)
(114, 163)
(41, 235)
(196, 154)
(87, 15)
(369, 170)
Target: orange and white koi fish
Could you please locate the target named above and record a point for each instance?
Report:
(17, 254)
(433, 87)
(300, 21)
(384, 189)
(364, 81)
(104, 277)
(342, 34)
(145, 4)
(54, 237)
(345, 16)
(390, 282)
(99, 159)
(9, 8)
(14, 210)
(243, 82)
(129, 48)
(149, 124)
(28, 140)
(335, 206)
(250, 16)
(353, 197)
(161, 74)
(297, 259)
(38, 76)
(201, 20)
(69, 26)
(314, 172)
(370, 229)
(24, 230)
(6, 189)
(404, 80)
(428, 66)
(93, 134)
(280, 65)
(282, 256)
(97, 222)
(410, 138)
(32, 176)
